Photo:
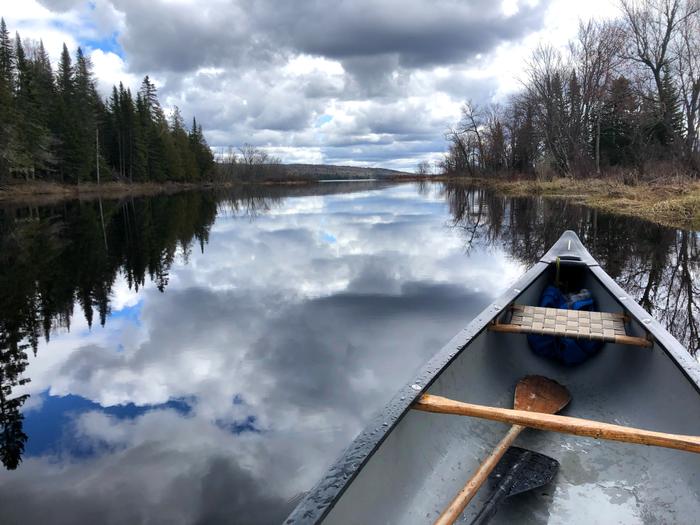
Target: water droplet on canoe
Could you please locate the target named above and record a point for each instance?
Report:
(416, 387)
(516, 290)
(385, 424)
(647, 321)
(402, 398)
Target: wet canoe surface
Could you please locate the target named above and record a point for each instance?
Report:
(407, 465)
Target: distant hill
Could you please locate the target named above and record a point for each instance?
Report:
(330, 172)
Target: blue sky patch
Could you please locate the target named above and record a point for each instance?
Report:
(131, 314)
(49, 426)
(108, 44)
(329, 238)
(323, 119)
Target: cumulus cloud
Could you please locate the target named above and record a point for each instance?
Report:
(357, 83)
(361, 82)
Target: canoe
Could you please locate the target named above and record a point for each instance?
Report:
(407, 465)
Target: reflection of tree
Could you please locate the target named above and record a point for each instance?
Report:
(55, 257)
(656, 265)
(13, 361)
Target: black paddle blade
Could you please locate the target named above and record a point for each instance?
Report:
(518, 471)
(526, 469)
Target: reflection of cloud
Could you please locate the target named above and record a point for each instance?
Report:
(283, 345)
(157, 462)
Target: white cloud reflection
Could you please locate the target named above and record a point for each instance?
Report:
(283, 338)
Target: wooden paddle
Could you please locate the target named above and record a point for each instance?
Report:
(532, 394)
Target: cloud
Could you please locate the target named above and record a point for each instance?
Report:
(264, 72)
(419, 33)
(389, 75)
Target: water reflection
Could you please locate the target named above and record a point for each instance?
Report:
(245, 338)
(658, 266)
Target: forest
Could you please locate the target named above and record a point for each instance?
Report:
(623, 100)
(55, 127)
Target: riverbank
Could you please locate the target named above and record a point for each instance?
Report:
(49, 192)
(670, 203)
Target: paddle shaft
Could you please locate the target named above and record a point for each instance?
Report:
(562, 424)
(462, 499)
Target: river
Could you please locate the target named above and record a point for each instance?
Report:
(203, 357)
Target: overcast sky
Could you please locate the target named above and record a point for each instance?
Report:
(361, 82)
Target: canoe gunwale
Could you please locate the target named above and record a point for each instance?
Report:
(320, 500)
(678, 354)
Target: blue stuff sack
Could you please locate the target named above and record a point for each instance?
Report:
(564, 349)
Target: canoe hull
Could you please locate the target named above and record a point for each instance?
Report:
(407, 465)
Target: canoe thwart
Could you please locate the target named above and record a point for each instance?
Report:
(562, 424)
(576, 324)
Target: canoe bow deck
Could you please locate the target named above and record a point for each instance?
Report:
(407, 465)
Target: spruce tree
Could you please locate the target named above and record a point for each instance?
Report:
(84, 105)
(7, 119)
(7, 56)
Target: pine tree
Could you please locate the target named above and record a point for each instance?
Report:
(617, 126)
(201, 151)
(64, 78)
(7, 119)
(85, 106)
(25, 132)
(43, 95)
(670, 109)
(7, 56)
(63, 124)
(184, 164)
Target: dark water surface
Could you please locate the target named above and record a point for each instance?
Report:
(203, 357)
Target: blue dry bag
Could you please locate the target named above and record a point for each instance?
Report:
(564, 349)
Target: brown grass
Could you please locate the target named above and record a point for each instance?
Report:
(671, 202)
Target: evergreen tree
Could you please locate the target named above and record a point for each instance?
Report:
(7, 119)
(618, 124)
(7, 56)
(63, 124)
(84, 105)
(50, 124)
(184, 164)
(201, 150)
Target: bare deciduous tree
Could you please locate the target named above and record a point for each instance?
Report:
(686, 51)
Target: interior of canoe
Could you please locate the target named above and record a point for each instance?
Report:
(427, 458)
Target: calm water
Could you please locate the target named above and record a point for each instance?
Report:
(202, 358)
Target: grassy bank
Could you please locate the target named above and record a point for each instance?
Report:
(669, 203)
(49, 191)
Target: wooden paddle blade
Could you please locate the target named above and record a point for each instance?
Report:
(540, 394)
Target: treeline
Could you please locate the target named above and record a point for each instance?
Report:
(625, 97)
(55, 127)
